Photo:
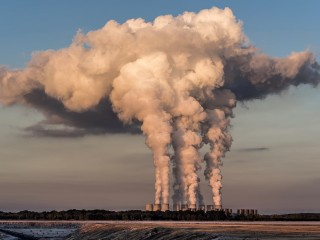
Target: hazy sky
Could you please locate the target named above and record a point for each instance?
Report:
(274, 162)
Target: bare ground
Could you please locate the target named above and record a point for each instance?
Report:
(198, 230)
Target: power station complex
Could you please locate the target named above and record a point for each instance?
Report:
(185, 207)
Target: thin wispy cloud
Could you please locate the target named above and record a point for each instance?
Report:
(252, 149)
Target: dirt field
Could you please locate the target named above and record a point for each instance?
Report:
(169, 230)
(199, 230)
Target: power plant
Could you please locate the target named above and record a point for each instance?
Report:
(193, 207)
(247, 212)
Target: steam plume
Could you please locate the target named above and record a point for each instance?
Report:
(177, 78)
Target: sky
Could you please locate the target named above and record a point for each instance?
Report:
(274, 161)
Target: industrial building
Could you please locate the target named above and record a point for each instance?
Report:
(193, 207)
(247, 212)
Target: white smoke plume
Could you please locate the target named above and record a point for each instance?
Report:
(178, 78)
(186, 142)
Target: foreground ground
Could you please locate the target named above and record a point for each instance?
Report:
(163, 230)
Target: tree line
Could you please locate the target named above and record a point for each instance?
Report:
(137, 215)
(132, 215)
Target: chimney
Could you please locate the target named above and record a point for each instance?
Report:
(164, 207)
(156, 207)
(149, 207)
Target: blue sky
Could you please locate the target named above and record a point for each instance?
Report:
(274, 162)
(28, 26)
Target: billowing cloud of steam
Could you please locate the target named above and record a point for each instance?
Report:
(177, 78)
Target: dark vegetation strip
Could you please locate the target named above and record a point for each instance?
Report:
(136, 215)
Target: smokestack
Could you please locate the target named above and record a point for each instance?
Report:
(149, 207)
(156, 207)
(164, 207)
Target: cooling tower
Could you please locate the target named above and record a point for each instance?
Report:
(227, 211)
(255, 212)
(192, 207)
(247, 212)
(210, 207)
(184, 207)
(238, 211)
(164, 207)
(149, 207)
(252, 212)
(218, 207)
(156, 207)
(176, 207)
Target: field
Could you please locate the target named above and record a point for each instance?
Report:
(68, 230)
